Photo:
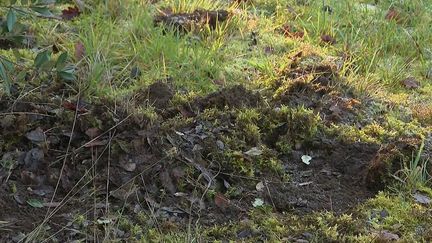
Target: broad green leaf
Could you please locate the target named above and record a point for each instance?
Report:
(61, 61)
(3, 73)
(67, 74)
(8, 65)
(12, 2)
(44, 11)
(42, 58)
(35, 203)
(21, 76)
(11, 19)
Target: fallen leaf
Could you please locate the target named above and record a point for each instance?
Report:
(422, 199)
(35, 203)
(410, 83)
(18, 198)
(36, 136)
(30, 178)
(254, 152)
(93, 132)
(70, 13)
(129, 166)
(220, 144)
(34, 159)
(393, 14)
(306, 159)
(74, 107)
(260, 186)
(221, 201)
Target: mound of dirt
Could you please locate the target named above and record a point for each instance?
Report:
(158, 95)
(233, 97)
(166, 169)
(186, 22)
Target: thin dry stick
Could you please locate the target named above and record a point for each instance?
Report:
(268, 191)
(151, 207)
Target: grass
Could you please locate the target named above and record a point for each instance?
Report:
(414, 175)
(372, 55)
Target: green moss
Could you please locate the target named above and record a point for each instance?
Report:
(402, 215)
(290, 126)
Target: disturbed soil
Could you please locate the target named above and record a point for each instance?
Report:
(76, 157)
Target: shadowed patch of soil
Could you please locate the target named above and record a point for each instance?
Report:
(333, 181)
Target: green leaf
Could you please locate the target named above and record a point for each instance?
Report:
(42, 58)
(44, 11)
(21, 76)
(4, 75)
(11, 19)
(12, 2)
(35, 203)
(8, 65)
(67, 74)
(61, 61)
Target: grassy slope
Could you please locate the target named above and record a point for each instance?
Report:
(372, 53)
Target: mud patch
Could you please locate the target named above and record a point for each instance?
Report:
(187, 22)
(333, 181)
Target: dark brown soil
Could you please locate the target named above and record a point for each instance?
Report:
(166, 168)
(186, 22)
(157, 95)
(334, 181)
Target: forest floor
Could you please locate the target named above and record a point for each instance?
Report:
(216, 120)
